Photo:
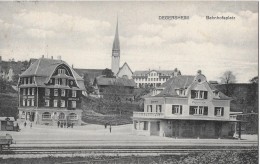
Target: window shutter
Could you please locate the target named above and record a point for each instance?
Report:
(180, 109)
(205, 110)
(215, 111)
(205, 95)
(222, 111)
(193, 95)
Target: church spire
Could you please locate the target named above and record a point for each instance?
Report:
(116, 43)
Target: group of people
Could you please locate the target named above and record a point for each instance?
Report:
(64, 124)
(25, 124)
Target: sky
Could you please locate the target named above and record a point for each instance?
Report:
(82, 34)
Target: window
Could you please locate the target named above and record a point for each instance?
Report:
(47, 102)
(46, 115)
(24, 100)
(63, 81)
(149, 108)
(73, 104)
(74, 93)
(198, 110)
(24, 80)
(33, 90)
(219, 111)
(47, 92)
(24, 91)
(51, 81)
(199, 94)
(28, 102)
(56, 92)
(57, 82)
(32, 102)
(63, 92)
(61, 71)
(55, 103)
(62, 103)
(29, 89)
(159, 108)
(177, 109)
(73, 116)
(62, 116)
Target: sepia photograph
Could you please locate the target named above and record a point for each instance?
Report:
(129, 82)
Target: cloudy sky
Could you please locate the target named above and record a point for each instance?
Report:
(82, 34)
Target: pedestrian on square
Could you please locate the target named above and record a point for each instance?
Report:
(110, 128)
(64, 125)
(25, 124)
(58, 124)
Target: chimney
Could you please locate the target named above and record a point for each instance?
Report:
(59, 57)
(42, 56)
(199, 72)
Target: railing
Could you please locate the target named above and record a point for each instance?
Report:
(147, 115)
(233, 117)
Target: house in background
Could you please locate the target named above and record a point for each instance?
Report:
(186, 107)
(50, 91)
(105, 86)
(154, 78)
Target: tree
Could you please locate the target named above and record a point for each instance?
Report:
(228, 78)
(88, 84)
(108, 73)
(254, 80)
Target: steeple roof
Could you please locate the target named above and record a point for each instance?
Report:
(116, 43)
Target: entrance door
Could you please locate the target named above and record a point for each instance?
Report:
(32, 115)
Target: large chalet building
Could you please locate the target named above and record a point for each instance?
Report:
(185, 107)
(50, 91)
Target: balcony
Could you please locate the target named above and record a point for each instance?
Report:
(148, 115)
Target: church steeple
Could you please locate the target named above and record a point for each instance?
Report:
(116, 53)
(116, 43)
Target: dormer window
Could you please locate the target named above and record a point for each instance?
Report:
(61, 71)
(219, 111)
(216, 93)
(180, 92)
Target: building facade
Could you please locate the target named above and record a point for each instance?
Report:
(186, 107)
(50, 91)
(153, 78)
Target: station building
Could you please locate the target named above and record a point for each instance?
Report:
(50, 91)
(186, 107)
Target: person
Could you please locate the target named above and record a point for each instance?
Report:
(58, 124)
(110, 128)
(64, 125)
(25, 124)
(105, 125)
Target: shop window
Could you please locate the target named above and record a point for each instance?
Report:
(61, 116)
(73, 116)
(219, 111)
(46, 115)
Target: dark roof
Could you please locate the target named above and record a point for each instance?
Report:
(175, 82)
(43, 68)
(92, 73)
(16, 66)
(114, 81)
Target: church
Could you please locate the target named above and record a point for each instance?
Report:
(120, 72)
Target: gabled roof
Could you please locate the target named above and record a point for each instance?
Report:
(124, 65)
(43, 68)
(101, 80)
(176, 82)
(92, 73)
